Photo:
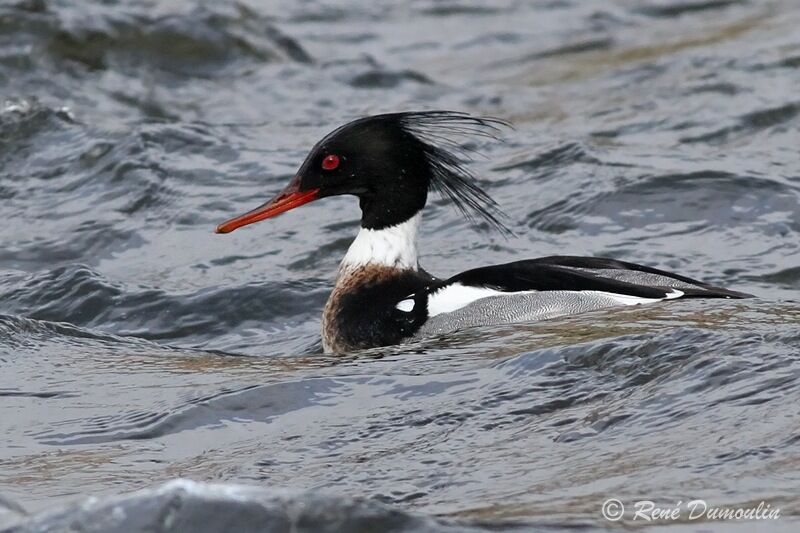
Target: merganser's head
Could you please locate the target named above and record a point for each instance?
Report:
(389, 162)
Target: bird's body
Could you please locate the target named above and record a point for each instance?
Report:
(382, 296)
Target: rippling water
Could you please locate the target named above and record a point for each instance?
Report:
(136, 346)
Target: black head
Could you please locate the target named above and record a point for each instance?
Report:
(389, 162)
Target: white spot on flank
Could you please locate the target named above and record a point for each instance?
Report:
(406, 306)
(395, 246)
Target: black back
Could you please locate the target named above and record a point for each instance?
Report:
(558, 273)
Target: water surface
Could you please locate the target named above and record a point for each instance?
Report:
(136, 346)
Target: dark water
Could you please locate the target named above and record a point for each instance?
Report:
(136, 346)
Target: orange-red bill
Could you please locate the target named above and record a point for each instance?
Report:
(288, 199)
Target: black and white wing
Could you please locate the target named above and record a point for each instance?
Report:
(549, 287)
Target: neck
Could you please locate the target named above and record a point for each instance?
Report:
(394, 247)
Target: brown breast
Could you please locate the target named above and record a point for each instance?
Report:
(348, 281)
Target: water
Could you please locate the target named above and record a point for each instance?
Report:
(137, 346)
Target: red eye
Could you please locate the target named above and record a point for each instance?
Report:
(331, 162)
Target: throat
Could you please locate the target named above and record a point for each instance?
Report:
(393, 247)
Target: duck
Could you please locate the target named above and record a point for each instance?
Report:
(382, 297)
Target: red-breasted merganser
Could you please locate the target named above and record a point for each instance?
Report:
(382, 296)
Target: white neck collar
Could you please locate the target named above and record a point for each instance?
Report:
(395, 246)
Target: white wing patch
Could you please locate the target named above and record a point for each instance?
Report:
(455, 296)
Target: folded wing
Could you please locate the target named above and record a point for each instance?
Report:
(549, 287)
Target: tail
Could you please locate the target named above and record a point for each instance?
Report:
(710, 291)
